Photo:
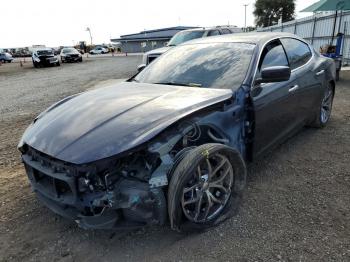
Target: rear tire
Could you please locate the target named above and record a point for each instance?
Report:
(337, 77)
(324, 113)
(205, 188)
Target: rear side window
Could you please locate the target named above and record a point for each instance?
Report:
(273, 55)
(226, 31)
(213, 32)
(298, 52)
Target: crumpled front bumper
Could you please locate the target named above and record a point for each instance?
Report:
(71, 58)
(130, 203)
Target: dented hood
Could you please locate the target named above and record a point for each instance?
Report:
(107, 121)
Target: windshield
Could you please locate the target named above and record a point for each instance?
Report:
(184, 36)
(68, 50)
(45, 52)
(213, 65)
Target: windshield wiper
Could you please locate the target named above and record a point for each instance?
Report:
(179, 84)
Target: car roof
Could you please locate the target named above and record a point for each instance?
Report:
(258, 38)
(43, 49)
(208, 28)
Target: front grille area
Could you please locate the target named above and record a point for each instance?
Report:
(77, 192)
(50, 178)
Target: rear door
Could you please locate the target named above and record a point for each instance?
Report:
(310, 75)
(274, 103)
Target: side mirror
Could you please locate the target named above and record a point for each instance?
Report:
(274, 74)
(141, 67)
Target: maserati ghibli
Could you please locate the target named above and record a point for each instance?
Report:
(171, 144)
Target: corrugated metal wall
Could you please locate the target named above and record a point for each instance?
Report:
(317, 30)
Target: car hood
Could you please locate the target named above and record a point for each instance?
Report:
(159, 51)
(107, 121)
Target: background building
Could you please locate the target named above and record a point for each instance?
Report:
(147, 40)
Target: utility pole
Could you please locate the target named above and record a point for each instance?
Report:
(88, 29)
(245, 17)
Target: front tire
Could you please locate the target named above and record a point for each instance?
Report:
(205, 187)
(324, 113)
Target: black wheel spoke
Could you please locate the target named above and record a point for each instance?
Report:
(210, 169)
(215, 199)
(208, 206)
(188, 189)
(222, 176)
(220, 165)
(220, 187)
(198, 208)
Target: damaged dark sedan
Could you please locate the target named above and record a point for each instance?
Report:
(172, 143)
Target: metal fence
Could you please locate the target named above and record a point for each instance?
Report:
(317, 30)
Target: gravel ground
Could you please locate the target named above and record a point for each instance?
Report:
(296, 206)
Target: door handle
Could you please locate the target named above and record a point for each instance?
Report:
(293, 88)
(320, 72)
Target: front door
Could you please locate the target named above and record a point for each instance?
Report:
(275, 104)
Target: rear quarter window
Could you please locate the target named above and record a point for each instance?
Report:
(226, 31)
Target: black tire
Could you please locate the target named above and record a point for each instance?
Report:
(35, 64)
(337, 77)
(222, 201)
(326, 104)
(58, 64)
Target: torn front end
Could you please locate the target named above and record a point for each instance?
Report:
(129, 189)
(111, 193)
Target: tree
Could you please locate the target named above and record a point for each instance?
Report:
(268, 12)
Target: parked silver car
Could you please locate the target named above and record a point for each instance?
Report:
(5, 57)
(187, 35)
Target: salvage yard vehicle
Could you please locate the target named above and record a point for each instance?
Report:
(187, 35)
(172, 142)
(5, 57)
(98, 50)
(44, 57)
(70, 54)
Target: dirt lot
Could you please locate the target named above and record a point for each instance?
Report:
(296, 206)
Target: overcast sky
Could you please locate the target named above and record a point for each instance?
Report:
(63, 22)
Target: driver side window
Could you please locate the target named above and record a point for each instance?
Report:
(272, 55)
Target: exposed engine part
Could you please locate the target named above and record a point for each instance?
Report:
(159, 176)
(217, 139)
(131, 201)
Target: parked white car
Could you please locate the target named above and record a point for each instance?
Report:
(186, 35)
(98, 50)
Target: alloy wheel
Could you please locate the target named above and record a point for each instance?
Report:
(208, 189)
(326, 106)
